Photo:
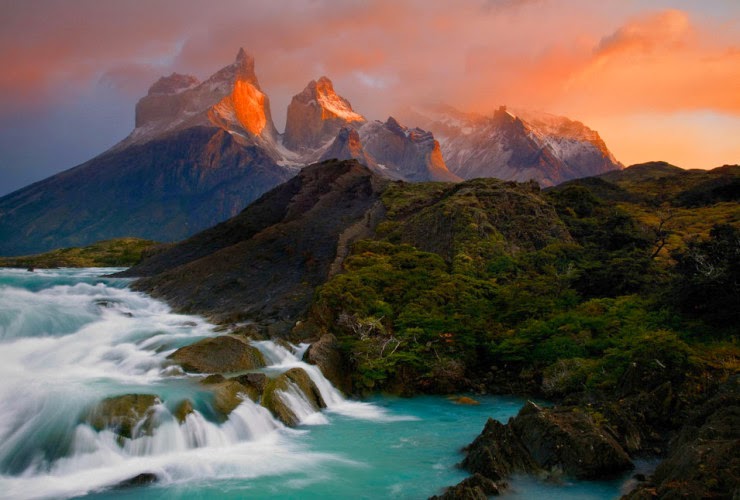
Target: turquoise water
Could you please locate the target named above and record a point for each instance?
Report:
(69, 338)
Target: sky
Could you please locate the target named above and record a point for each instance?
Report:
(658, 79)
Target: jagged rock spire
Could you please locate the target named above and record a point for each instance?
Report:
(316, 115)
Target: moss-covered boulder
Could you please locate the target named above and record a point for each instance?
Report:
(293, 379)
(230, 393)
(129, 415)
(256, 380)
(227, 353)
(183, 409)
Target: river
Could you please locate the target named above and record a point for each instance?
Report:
(72, 337)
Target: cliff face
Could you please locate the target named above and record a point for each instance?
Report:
(316, 115)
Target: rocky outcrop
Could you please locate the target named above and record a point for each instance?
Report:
(227, 353)
(316, 115)
(230, 99)
(570, 440)
(297, 382)
(230, 394)
(129, 415)
(703, 460)
(182, 410)
(560, 441)
(326, 353)
(475, 487)
(228, 272)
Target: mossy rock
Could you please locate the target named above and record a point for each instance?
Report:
(184, 409)
(230, 394)
(129, 415)
(273, 402)
(256, 380)
(226, 353)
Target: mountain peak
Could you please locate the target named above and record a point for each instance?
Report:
(316, 115)
(173, 84)
(245, 67)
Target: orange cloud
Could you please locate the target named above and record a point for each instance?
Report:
(588, 60)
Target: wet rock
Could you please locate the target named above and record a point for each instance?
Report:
(475, 487)
(293, 379)
(465, 400)
(498, 453)
(182, 411)
(230, 394)
(703, 461)
(226, 353)
(129, 416)
(256, 380)
(327, 355)
(143, 479)
(547, 442)
(568, 439)
(216, 378)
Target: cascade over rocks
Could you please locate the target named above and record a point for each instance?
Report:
(326, 354)
(297, 382)
(129, 415)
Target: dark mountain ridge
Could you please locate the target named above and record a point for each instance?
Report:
(264, 264)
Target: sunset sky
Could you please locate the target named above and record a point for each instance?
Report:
(658, 79)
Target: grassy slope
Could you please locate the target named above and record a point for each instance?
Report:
(467, 286)
(120, 252)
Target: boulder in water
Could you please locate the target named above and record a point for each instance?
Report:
(256, 380)
(571, 440)
(143, 479)
(295, 379)
(230, 394)
(475, 487)
(227, 353)
(327, 355)
(129, 415)
(552, 441)
(184, 409)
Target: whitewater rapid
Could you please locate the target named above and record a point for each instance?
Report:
(69, 339)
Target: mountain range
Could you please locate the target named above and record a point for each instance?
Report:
(202, 151)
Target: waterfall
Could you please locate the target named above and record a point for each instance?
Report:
(284, 359)
(70, 339)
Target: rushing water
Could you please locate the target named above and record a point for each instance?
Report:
(70, 338)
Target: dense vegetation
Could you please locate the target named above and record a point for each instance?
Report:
(497, 286)
(121, 252)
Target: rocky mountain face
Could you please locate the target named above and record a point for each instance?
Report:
(316, 115)
(392, 150)
(299, 231)
(199, 153)
(516, 145)
(163, 190)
